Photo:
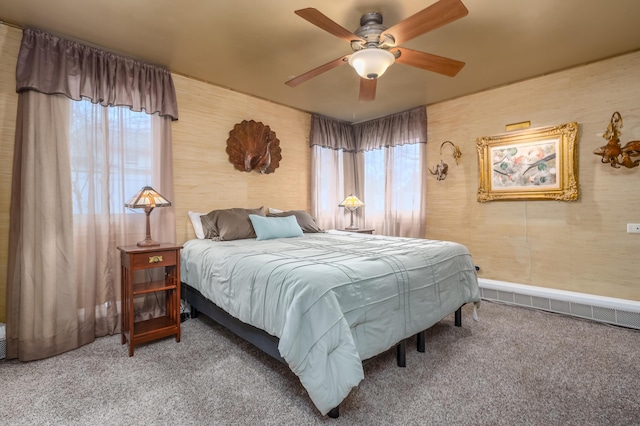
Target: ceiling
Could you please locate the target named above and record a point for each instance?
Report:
(253, 47)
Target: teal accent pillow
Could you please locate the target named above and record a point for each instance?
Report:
(268, 228)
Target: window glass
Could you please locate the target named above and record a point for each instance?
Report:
(392, 175)
(111, 156)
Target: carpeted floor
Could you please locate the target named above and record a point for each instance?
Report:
(512, 367)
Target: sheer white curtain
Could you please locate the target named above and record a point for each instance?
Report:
(394, 190)
(333, 177)
(114, 152)
(77, 158)
(335, 171)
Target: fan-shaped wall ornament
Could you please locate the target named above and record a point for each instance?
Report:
(254, 146)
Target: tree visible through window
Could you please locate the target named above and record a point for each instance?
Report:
(111, 156)
(392, 179)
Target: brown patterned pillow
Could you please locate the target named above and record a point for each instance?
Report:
(306, 222)
(229, 224)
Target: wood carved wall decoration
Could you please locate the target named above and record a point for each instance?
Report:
(613, 152)
(254, 146)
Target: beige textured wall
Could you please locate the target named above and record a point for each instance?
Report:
(578, 246)
(9, 46)
(204, 177)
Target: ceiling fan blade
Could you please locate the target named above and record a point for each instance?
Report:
(434, 16)
(429, 62)
(368, 89)
(316, 71)
(319, 19)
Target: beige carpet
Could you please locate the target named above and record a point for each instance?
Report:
(513, 366)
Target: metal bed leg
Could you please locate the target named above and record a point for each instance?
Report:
(194, 312)
(458, 317)
(334, 413)
(401, 353)
(420, 337)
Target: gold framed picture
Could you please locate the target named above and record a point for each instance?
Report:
(532, 164)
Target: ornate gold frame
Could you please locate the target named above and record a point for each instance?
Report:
(507, 170)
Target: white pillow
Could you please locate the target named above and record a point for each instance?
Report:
(197, 224)
(272, 210)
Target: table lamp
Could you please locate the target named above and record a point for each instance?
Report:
(351, 203)
(148, 199)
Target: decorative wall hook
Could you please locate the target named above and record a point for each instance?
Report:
(613, 152)
(441, 169)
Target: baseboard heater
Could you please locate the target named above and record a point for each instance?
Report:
(622, 312)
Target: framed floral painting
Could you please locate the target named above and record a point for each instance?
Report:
(532, 164)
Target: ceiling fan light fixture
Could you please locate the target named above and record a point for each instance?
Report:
(371, 62)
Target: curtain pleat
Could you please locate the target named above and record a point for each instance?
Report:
(50, 64)
(331, 133)
(41, 307)
(397, 129)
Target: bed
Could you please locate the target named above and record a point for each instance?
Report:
(324, 302)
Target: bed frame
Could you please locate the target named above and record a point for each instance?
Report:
(265, 341)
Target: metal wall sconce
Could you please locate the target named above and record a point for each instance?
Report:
(613, 152)
(441, 169)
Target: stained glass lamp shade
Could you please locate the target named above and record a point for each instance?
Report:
(148, 199)
(351, 203)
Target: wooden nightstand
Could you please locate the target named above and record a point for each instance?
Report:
(134, 258)
(359, 231)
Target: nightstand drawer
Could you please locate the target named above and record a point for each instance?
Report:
(154, 259)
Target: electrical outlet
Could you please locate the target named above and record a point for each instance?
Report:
(633, 228)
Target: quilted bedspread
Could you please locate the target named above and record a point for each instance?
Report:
(333, 299)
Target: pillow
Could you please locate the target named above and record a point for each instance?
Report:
(197, 224)
(229, 224)
(305, 221)
(268, 228)
(272, 210)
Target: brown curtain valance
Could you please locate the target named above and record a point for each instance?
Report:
(406, 127)
(331, 133)
(53, 65)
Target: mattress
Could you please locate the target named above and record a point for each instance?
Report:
(333, 299)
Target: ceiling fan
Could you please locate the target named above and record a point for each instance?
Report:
(376, 47)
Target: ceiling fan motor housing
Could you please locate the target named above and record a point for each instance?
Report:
(370, 30)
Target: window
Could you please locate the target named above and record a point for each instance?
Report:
(392, 178)
(111, 156)
(380, 161)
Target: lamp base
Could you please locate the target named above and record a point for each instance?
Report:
(352, 228)
(148, 243)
